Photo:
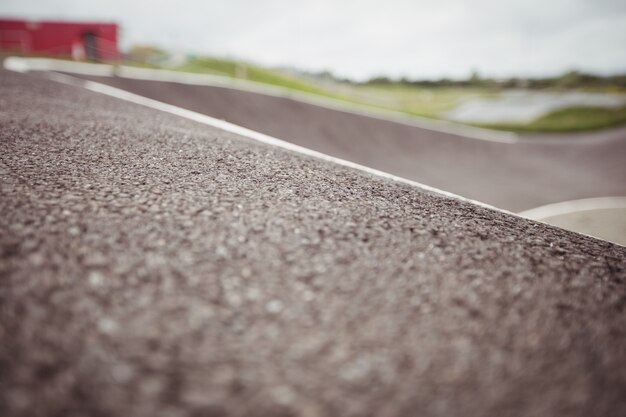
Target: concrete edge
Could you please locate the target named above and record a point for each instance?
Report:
(543, 214)
(573, 206)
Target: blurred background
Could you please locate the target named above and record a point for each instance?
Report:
(517, 65)
(540, 70)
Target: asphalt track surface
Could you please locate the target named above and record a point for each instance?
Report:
(153, 266)
(537, 170)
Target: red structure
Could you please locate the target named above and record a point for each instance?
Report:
(79, 40)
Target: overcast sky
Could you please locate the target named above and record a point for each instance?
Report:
(362, 38)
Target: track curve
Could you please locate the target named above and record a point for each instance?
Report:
(534, 171)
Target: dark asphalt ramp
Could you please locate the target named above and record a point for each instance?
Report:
(151, 266)
(515, 177)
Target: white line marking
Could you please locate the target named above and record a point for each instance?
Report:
(251, 134)
(573, 206)
(463, 131)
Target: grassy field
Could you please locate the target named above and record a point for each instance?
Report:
(416, 101)
(249, 72)
(569, 120)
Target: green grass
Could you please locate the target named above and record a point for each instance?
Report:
(569, 120)
(209, 65)
(249, 72)
(417, 101)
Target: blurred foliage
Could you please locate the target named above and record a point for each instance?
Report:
(569, 80)
(417, 101)
(147, 55)
(238, 69)
(569, 120)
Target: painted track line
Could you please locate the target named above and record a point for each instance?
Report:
(461, 131)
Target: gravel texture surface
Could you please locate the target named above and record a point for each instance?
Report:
(151, 266)
(536, 171)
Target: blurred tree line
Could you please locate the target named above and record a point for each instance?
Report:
(154, 56)
(569, 80)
